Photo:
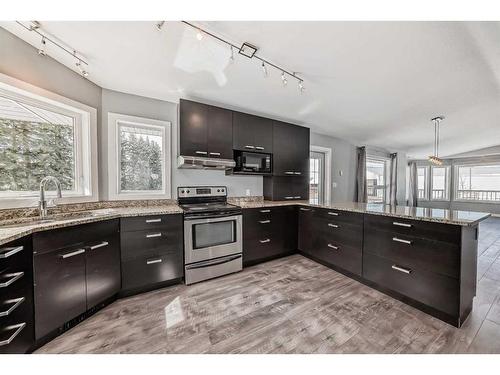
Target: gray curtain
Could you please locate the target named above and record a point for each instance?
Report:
(393, 180)
(361, 195)
(412, 188)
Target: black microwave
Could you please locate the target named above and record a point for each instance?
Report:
(252, 162)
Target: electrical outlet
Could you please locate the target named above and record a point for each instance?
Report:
(334, 185)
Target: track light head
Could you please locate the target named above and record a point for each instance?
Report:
(301, 87)
(231, 58)
(41, 50)
(199, 35)
(159, 25)
(264, 69)
(83, 72)
(283, 79)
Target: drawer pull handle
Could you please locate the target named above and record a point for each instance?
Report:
(153, 221)
(18, 328)
(16, 302)
(12, 251)
(298, 197)
(401, 240)
(333, 225)
(13, 278)
(288, 197)
(215, 153)
(250, 147)
(305, 209)
(297, 173)
(401, 224)
(102, 244)
(333, 246)
(153, 261)
(289, 172)
(401, 269)
(73, 253)
(333, 213)
(265, 241)
(201, 152)
(265, 211)
(153, 235)
(259, 147)
(264, 221)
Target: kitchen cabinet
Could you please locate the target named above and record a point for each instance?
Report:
(252, 133)
(205, 131)
(75, 269)
(280, 188)
(268, 233)
(291, 149)
(16, 297)
(152, 252)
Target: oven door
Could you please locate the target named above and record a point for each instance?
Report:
(210, 238)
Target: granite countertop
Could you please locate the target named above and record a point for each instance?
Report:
(438, 215)
(10, 232)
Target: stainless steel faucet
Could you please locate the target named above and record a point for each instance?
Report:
(42, 204)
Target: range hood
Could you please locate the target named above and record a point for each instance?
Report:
(196, 162)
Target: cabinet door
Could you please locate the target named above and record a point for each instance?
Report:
(301, 150)
(220, 133)
(193, 128)
(60, 288)
(285, 228)
(300, 188)
(243, 131)
(263, 134)
(306, 230)
(283, 146)
(103, 270)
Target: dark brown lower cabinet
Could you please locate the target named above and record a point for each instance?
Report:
(269, 233)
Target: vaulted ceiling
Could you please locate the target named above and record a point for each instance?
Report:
(374, 83)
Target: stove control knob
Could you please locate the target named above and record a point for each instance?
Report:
(187, 191)
(222, 190)
(218, 190)
(182, 191)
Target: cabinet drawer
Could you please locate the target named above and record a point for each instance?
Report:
(72, 236)
(152, 242)
(333, 253)
(438, 291)
(261, 248)
(339, 232)
(145, 271)
(415, 252)
(156, 222)
(339, 216)
(16, 333)
(14, 258)
(432, 231)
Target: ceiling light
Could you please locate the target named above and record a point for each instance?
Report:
(301, 87)
(83, 72)
(248, 50)
(41, 50)
(264, 69)
(283, 79)
(231, 58)
(199, 35)
(435, 159)
(159, 25)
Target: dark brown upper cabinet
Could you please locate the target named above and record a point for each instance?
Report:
(252, 133)
(205, 130)
(291, 149)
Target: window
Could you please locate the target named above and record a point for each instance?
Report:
(376, 172)
(478, 183)
(440, 183)
(319, 170)
(422, 189)
(40, 137)
(139, 161)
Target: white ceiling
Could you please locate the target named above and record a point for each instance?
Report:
(374, 83)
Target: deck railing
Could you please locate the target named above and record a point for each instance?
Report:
(479, 195)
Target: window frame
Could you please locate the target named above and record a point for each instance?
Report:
(85, 143)
(386, 162)
(427, 184)
(447, 183)
(114, 154)
(328, 169)
(456, 181)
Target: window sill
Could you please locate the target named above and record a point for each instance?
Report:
(32, 201)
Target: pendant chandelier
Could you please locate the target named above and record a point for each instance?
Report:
(435, 159)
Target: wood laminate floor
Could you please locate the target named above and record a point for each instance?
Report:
(290, 305)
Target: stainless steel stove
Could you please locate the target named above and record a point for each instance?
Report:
(212, 233)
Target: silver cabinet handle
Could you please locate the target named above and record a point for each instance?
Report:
(16, 302)
(297, 173)
(153, 221)
(153, 261)
(201, 152)
(102, 244)
(264, 221)
(288, 197)
(12, 251)
(18, 328)
(305, 209)
(401, 240)
(298, 197)
(259, 148)
(333, 225)
(13, 278)
(401, 224)
(215, 153)
(72, 254)
(250, 147)
(265, 241)
(401, 269)
(333, 213)
(265, 211)
(333, 246)
(152, 235)
(289, 172)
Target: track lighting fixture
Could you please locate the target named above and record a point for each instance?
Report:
(301, 87)
(159, 25)
(231, 58)
(83, 72)
(283, 79)
(199, 35)
(264, 69)
(41, 50)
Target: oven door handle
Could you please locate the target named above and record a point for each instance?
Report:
(213, 262)
(212, 218)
